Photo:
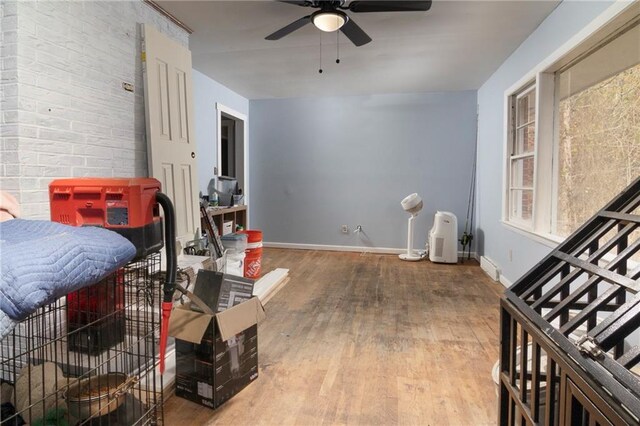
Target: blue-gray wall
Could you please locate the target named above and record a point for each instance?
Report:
(495, 239)
(206, 92)
(318, 163)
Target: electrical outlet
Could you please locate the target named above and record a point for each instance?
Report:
(344, 229)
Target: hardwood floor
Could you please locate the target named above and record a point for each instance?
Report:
(368, 339)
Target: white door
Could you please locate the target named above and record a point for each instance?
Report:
(171, 147)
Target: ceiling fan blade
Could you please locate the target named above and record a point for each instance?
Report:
(295, 25)
(389, 6)
(304, 3)
(355, 33)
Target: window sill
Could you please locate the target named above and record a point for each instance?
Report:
(552, 241)
(548, 240)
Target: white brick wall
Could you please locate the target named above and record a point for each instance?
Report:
(9, 141)
(63, 110)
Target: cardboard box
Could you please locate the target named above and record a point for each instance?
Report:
(217, 345)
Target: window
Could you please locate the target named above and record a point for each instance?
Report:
(599, 134)
(522, 160)
(580, 146)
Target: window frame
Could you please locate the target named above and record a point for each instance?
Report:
(514, 155)
(242, 171)
(543, 78)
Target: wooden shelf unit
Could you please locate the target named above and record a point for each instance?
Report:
(235, 214)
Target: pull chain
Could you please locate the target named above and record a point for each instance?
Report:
(338, 46)
(320, 69)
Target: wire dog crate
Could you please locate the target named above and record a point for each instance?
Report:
(570, 344)
(90, 357)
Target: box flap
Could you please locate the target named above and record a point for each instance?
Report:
(240, 317)
(207, 287)
(188, 325)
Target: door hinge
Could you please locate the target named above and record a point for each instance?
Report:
(587, 345)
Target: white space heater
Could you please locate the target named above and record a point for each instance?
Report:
(443, 238)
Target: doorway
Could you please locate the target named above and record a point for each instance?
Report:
(228, 145)
(232, 146)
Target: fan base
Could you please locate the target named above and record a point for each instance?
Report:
(413, 257)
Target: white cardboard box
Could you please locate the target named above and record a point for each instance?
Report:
(227, 228)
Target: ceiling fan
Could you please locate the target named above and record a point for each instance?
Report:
(330, 16)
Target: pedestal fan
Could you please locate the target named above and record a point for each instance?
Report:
(412, 204)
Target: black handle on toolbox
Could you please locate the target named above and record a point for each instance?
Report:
(170, 244)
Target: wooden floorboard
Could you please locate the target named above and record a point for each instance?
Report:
(368, 339)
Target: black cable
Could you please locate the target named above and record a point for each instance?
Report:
(320, 69)
(186, 279)
(170, 245)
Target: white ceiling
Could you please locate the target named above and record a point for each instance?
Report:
(456, 45)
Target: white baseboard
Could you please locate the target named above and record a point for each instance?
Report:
(493, 271)
(355, 249)
(505, 282)
(490, 268)
(474, 255)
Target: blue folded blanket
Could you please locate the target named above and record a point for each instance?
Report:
(41, 261)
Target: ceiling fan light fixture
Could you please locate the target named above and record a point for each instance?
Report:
(329, 21)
